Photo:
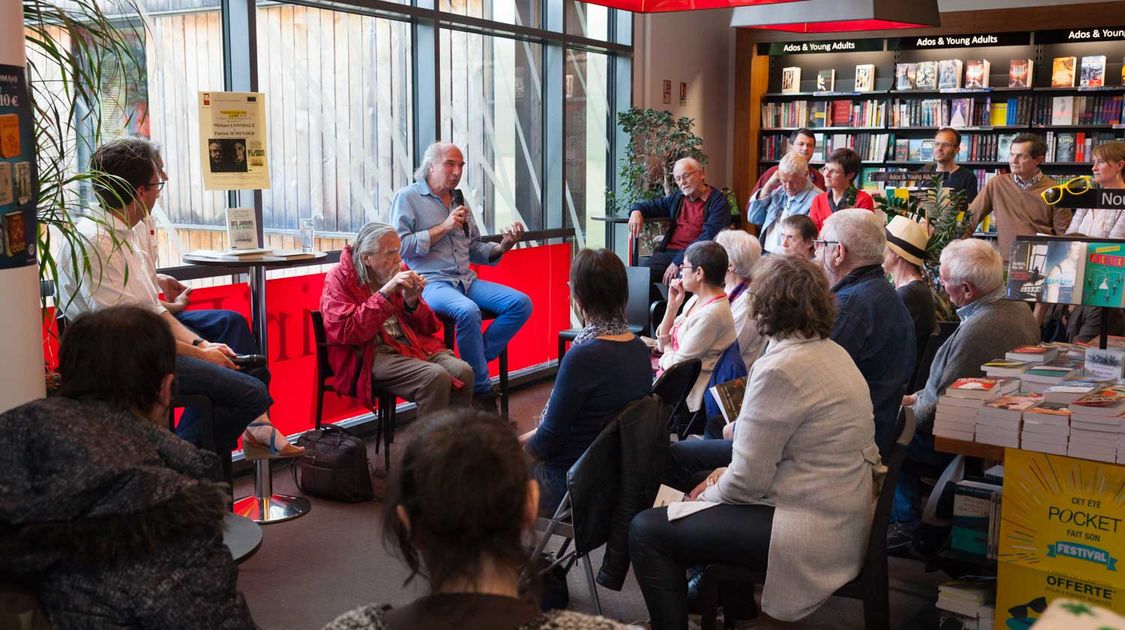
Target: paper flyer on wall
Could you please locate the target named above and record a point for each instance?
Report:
(18, 171)
(232, 140)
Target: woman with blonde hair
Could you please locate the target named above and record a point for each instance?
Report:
(1109, 172)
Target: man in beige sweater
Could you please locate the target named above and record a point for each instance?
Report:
(1015, 196)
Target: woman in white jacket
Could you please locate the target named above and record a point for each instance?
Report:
(799, 494)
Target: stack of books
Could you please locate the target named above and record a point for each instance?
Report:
(976, 518)
(1096, 424)
(956, 413)
(1041, 377)
(1046, 428)
(1035, 354)
(970, 602)
(998, 421)
(999, 368)
(1067, 392)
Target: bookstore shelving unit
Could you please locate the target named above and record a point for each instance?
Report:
(893, 128)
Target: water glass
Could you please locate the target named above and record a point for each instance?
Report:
(308, 235)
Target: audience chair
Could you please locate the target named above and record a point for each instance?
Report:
(601, 498)
(922, 368)
(636, 309)
(241, 535)
(871, 585)
(449, 330)
(384, 410)
(673, 388)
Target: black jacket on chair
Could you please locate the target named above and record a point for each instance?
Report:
(617, 477)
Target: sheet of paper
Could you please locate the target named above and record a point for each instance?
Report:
(687, 508)
(232, 141)
(666, 495)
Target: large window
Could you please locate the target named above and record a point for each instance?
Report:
(492, 107)
(356, 88)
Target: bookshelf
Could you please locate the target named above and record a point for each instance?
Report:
(893, 128)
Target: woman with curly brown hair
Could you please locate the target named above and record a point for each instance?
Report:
(798, 494)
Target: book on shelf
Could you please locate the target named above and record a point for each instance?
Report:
(926, 151)
(1020, 73)
(998, 115)
(981, 388)
(976, 73)
(818, 115)
(960, 112)
(972, 597)
(974, 509)
(1003, 146)
(729, 396)
(1092, 71)
(826, 81)
(1046, 271)
(865, 77)
(791, 80)
(1064, 146)
(925, 76)
(905, 76)
(949, 74)
(1105, 364)
(1062, 72)
(1062, 110)
(242, 229)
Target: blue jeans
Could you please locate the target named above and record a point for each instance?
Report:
(920, 458)
(477, 348)
(236, 397)
(229, 327)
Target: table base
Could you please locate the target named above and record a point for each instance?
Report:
(272, 509)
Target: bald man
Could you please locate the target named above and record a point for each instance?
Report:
(696, 212)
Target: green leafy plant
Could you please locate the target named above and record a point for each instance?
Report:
(84, 63)
(656, 141)
(946, 212)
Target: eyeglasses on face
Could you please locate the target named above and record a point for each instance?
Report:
(158, 185)
(683, 176)
(1076, 186)
(821, 243)
(685, 268)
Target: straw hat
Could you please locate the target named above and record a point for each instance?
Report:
(908, 239)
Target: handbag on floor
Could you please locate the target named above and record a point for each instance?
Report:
(334, 465)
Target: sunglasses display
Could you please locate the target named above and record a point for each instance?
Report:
(1076, 186)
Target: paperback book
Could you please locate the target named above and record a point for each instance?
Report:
(981, 388)
(997, 368)
(729, 397)
(865, 77)
(1062, 72)
(949, 74)
(1104, 278)
(1035, 354)
(905, 76)
(1106, 364)
(826, 81)
(925, 77)
(1093, 71)
(1020, 73)
(976, 73)
(791, 80)
(242, 228)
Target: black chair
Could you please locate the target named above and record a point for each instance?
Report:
(449, 329)
(922, 368)
(586, 515)
(384, 409)
(673, 388)
(871, 585)
(636, 309)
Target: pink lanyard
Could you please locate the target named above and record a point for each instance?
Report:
(675, 334)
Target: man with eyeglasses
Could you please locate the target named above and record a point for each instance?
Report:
(1015, 197)
(947, 144)
(109, 266)
(696, 212)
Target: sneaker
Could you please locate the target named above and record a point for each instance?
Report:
(899, 539)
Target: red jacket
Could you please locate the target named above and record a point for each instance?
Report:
(354, 316)
(819, 211)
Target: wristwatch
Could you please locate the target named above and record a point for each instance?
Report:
(198, 340)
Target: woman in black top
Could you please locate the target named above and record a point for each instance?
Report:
(902, 260)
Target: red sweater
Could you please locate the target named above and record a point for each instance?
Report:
(820, 209)
(354, 317)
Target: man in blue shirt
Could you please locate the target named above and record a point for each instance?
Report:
(794, 196)
(439, 240)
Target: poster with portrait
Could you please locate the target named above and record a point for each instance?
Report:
(18, 177)
(232, 140)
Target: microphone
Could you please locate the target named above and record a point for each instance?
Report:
(459, 200)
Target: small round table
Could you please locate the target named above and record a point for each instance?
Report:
(263, 506)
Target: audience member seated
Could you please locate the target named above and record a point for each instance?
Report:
(111, 519)
(106, 267)
(457, 512)
(794, 196)
(840, 172)
(799, 492)
(439, 240)
(973, 276)
(1109, 172)
(902, 261)
(373, 301)
(798, 236)
(743, 252)
(607, 368)
(696, 212)
(706, 327)
(872, 323)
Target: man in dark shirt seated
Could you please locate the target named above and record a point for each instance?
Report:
(697, 212)
(872, 323)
